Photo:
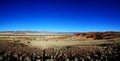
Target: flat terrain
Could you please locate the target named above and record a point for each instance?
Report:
(61, 44)
(54, 41)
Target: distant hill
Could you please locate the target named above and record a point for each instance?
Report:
(99, 35)
(34, 32)
(94, 35)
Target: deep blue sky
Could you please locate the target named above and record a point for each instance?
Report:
(60, 15)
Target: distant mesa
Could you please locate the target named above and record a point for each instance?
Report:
(99, 35)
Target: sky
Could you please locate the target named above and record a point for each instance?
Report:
(60, 15)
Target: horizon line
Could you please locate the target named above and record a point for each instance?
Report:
(51, 31)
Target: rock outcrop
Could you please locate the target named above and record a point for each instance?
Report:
(99, 35)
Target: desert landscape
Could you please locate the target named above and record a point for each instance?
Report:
(59, 46)
(59, 30)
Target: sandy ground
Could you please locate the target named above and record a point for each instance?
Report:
(60, 44)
